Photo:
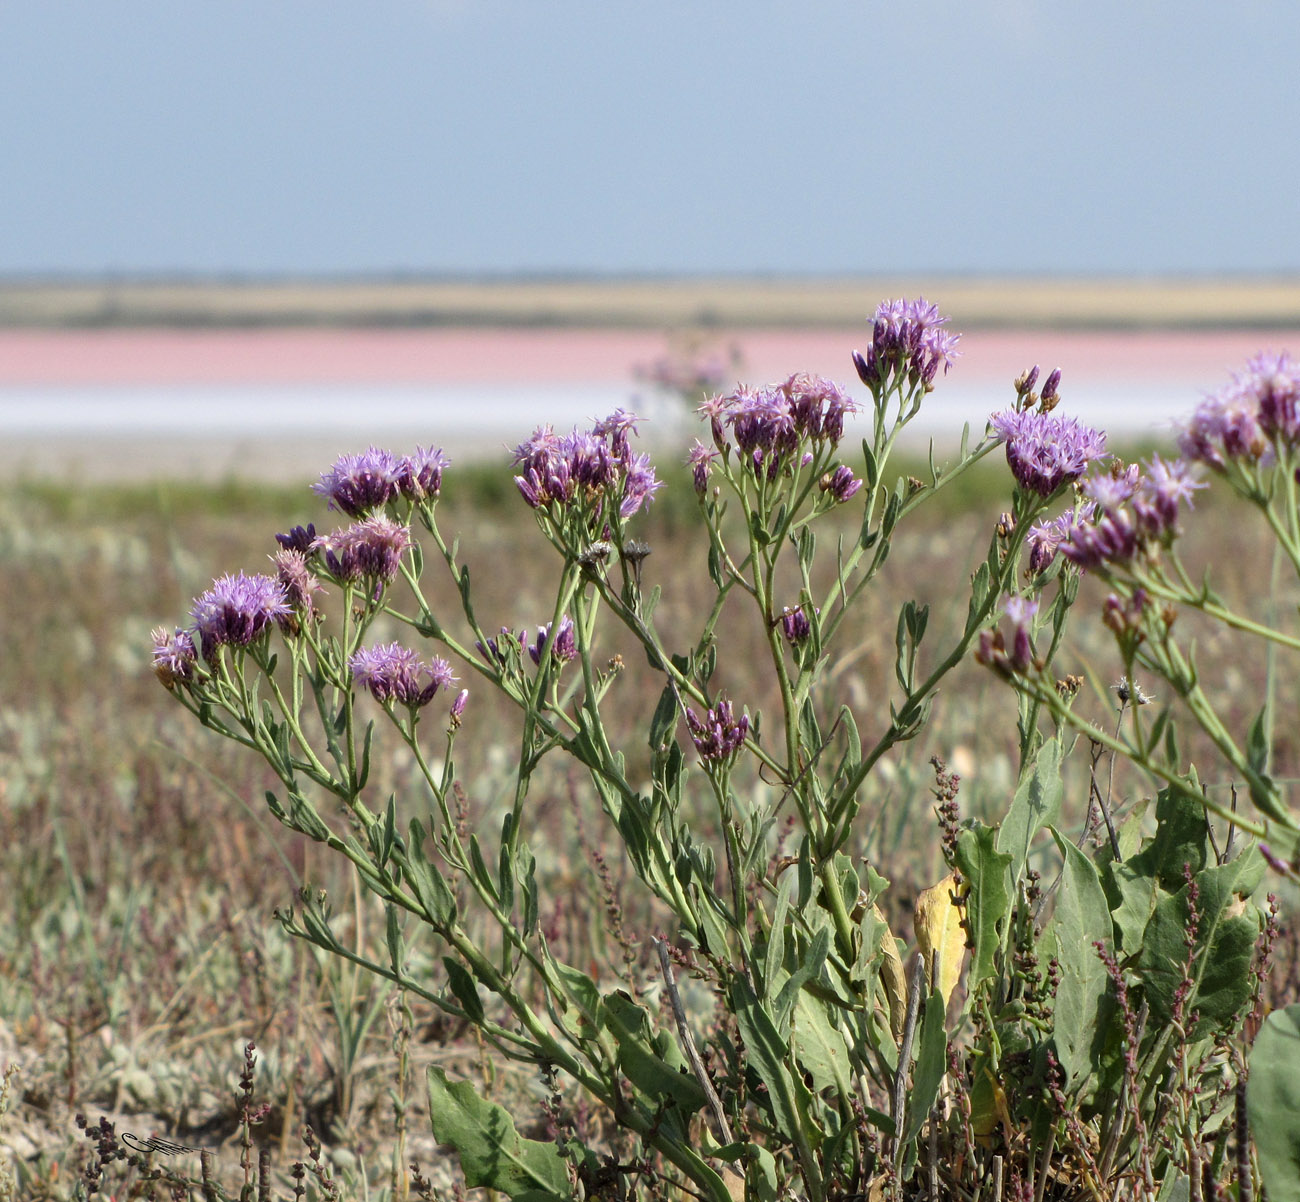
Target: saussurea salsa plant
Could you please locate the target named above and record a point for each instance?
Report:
(1093, 1044)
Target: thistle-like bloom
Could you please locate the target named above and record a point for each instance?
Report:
(586, 467)
(841, 484)
(174, 656)
(719, 734)
(1045, 537)
(1046, 451)
(1255, 412)
(563, 648)
(300, 583)
(1021, 612)
(392, 672)
(907, 340)
(368, 550)
(419, 475)
(359, 484)
(768, 426)
(236, 610)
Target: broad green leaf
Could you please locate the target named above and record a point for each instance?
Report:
(819, 1046)
(653, 1063)
(464, 989)
(492, 1153)
(1037, 804)
(931, 1064)
(1273, 1103)
(1080, 920)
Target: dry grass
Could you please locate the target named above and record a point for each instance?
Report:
(137, 950)
(650, 302)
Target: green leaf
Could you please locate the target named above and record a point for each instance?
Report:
(1180, 839)
(653, 1063)
(664, 721)
(393, 933)
(1081, 919)
(819, 1046)
(1273, 1103)
(427, 883)
(1037, 804)
(987, 873)
(492, 1153)
(931, 1064)
(464, 989)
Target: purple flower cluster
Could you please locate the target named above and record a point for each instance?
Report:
(392, 672)
(1046, 536)
(840, 485)
(718, 735)
(236, 610)
(369, 550)
(908, 341)
(174, 656)
(564, 647)
(1250, 418)
(1131, 511)
(701, 459)
(772, 427)
(300, 583)
(360, 484)
(1046, 451)
(795, 625)
(586, 465)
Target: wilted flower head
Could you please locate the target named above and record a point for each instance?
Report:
(173, 656)
(908, 341)
(1046, 451)
(719, 734)
(368, 550)
(1244, 420)
(236, 610)
(358, 484)
(392, 672)
(701, 459)
(300, 583)
(563, 648)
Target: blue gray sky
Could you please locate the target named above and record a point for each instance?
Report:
(327, 137)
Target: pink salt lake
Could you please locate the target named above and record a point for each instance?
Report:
(132, 403)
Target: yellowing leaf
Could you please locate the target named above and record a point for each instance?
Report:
(892, 977)
(939, 932)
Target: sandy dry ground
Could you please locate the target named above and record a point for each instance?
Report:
(653, 303)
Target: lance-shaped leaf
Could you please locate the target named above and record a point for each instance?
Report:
(986, 872)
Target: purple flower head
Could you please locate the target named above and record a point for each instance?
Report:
(841, 484)
(564, 647)
(369, 550)
(458, 707)
(498, 650)
(300, 538)
(299, 582)
(1112, 489)
(1164, 487)
(1046, 451)
(818, 407)
(1021, 612)
(358, 484)
(174, 656)
(236, 610)
(908, 340)
(701, 459)
(718, 735)
(586, 467)
(1113, 538)
(1046, 537)
(1258, 407)
(392, 672)
(419, 475)
(795, 625)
